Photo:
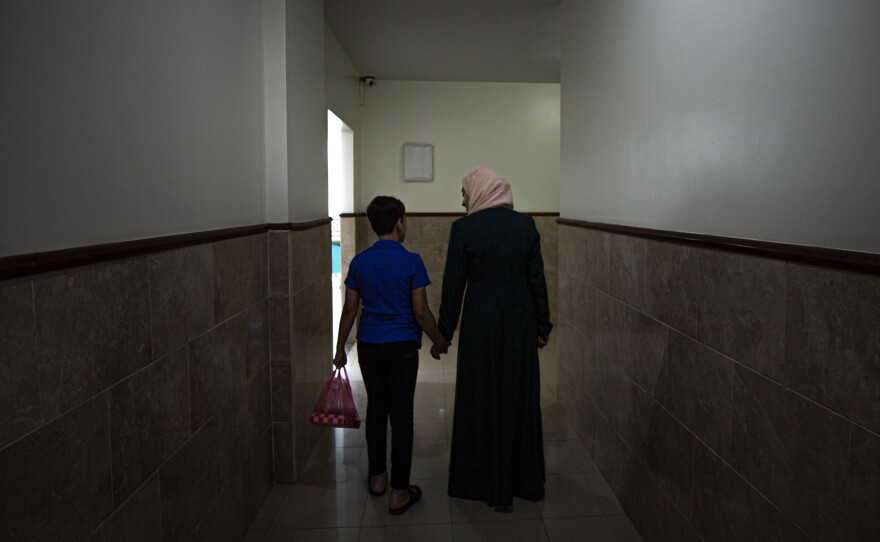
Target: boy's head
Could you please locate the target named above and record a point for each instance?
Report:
(384, 212)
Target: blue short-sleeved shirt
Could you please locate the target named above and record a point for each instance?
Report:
(384, 276)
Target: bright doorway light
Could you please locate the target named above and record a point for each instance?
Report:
(340, 169)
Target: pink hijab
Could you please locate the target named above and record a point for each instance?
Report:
(486, 189)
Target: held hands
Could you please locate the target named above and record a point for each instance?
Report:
(439, 348)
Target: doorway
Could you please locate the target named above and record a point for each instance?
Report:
(340, 199)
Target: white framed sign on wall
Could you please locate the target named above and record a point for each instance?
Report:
(418, 162)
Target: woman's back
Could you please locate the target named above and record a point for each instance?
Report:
(496, 255)
(498, 243)
(497, 450)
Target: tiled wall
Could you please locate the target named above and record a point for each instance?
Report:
(428, 236)
(135, 397)
(725, 397)
(301, 328)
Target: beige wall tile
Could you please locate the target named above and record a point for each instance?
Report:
(672, 282)
(181, 296)
(627, 269)
(282, 391)
(729, 345)
(139, 519)
(258, 338)
(189, 482)
(20, 410)
(224, 520)
(310, 256)
(240, 274)
(149, 420)
(570, 367)
(93, 330)
(280, 329)
(792, 450)
(257, 476)
(699, 390)
(279, 263)
(597, 264)
(282, 445)
(863, 486)
(833, 341)
(670, 453)
(62, 464)
(741, 309)
(348, 243)
(644, 357)
(727, 508)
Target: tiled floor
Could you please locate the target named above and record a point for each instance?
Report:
(332, 503)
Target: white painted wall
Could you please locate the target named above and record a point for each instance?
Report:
(124, 120)
(756, 118)
(511, 127)
(275, 110)
(306, 111)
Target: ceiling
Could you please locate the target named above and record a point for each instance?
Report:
(450, 40)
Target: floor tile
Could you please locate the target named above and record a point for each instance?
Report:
(573, 495)
(318, 505)
(407, 533)
(504, 531)
(336, 465)
(548, 377)
(331, 503)
(430, 432)
(467, 511)
(563, 456)
(349, 534)
(557, 428)
(430, 371)
(449, 390)
(595, 529)
(344, 438)
(431, 389)
(429, 407)
(430, 462)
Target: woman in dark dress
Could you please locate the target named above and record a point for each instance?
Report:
(495, 254)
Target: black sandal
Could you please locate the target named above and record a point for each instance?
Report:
(370, 485)
(415, 493)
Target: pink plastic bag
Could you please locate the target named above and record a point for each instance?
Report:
(336, 406)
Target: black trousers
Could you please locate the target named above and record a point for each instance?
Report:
(389, 372)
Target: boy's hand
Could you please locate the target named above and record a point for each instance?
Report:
(439, 348)
(340, 360)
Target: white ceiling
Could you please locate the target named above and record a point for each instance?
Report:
(449, 40)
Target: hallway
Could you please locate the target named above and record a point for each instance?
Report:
(331, 501)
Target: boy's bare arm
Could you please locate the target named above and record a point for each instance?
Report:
(346, 321)
(425, 318)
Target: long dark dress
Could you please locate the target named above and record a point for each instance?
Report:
(497, 450)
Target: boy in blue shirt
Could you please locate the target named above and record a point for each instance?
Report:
(390, 283)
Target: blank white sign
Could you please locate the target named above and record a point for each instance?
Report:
(418, 162)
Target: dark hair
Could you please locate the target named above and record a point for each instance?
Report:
(384, 212)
